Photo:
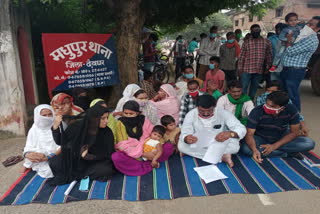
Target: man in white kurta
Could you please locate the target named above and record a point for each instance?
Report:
(234, 99)
(226, 127)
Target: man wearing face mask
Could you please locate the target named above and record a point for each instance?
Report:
(296, 57)
(206, 117)
(209, 47)
(239, 37)
(188, 101)
(255, 59)
(229, 53)
(267, 132)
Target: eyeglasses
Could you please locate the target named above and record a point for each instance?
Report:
(205, 112)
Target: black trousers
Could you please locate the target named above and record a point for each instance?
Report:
(180, 64)
(101, 170)
(230, 75)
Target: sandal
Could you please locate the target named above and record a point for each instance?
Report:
(12, 160)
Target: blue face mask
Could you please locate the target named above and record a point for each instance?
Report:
(153, 42)
(211, 66)
(223, 41)
(213, 35)
(188, 76)
(230, 40)
(84, 184)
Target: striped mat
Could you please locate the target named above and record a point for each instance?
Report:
(176, 178)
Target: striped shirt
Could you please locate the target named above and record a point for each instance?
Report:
(208, 49)
(300, 53)
(255, 56)
(270, 127)
(187, 104)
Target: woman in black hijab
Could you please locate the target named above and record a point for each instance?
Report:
(86, 145)
(81, 98)
(132, 119)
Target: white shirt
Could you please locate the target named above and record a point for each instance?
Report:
(208, 49)
(221, 121)
(224, 103)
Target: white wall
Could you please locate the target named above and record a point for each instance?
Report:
(12, 104)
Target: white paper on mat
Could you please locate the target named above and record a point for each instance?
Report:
(205, 138)
(210, 173)
(215, 152)
(70, 187)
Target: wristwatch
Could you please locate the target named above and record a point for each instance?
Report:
(232, 134)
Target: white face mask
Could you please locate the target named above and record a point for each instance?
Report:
(142, 103)
(44, 122)
(305, 32)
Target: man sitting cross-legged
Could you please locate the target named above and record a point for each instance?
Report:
(222, 124)
(267, 130)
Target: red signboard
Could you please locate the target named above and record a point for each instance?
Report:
(79, 60)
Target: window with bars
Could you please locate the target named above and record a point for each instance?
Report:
(250, 18)
(279, 12)
(313, 4)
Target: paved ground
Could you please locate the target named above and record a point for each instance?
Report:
(289, 202)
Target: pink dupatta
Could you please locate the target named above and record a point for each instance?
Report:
(133, 147)
(170, 105)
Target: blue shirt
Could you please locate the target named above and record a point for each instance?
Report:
(272, 127)
(295, 31)
(192, 46)
(262, 99)
(274, 42)
(300, 53)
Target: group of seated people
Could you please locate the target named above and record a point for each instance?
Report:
(74, 138)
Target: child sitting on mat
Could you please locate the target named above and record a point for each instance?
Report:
(172, 133)
(153, 144)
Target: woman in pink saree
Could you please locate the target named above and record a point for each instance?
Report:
(132, 130)
(167, 102)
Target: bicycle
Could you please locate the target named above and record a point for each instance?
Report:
(160, 70)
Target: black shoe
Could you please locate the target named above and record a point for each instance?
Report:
(296, 155)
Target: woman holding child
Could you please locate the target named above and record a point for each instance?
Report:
(133, 131)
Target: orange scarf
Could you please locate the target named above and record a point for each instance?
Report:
(236, 45)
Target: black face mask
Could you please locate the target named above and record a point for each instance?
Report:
(255, 34)
(83, 102)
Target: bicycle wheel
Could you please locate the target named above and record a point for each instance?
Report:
(161, 74)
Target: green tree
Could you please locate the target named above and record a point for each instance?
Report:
(131, 15)
(261, 9)
(223, 22)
